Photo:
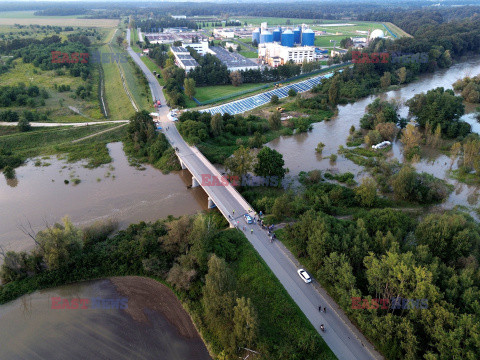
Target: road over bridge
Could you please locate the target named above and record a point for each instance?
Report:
(341, 336)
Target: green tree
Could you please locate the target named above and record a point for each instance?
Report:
(319, 148)
(257, 140)
(402, 75)
(448, 236)
(241, 162)
(189, 86)
(58, 243)
(439, 106)
(23, 125)
(216, 124)
(275, 120)
(366, 193)
(386, 80)
(178, 240)
(270, 163)
(274, 100)
(219, 300)
(334, 92)
(245, 322)
(292, 93)
(236, 78)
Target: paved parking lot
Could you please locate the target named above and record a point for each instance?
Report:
(240, 106)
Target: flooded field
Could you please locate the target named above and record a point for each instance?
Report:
(39, 195)
(299, 150)
(31, 329)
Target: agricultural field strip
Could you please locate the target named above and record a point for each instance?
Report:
(242, 105)
(122, 75)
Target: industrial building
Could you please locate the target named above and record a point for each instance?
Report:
(169, 36)
(183, 59)
(275, 54)
(224, 33)
(201, 47)
(287, 38)
(308, 38)
(233, 61)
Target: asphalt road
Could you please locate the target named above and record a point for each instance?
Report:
(345, 341)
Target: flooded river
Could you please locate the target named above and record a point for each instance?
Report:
(31, 329)
(115, 190)
(129, 195)
(299, 150)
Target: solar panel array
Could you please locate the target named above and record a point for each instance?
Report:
(240, 106)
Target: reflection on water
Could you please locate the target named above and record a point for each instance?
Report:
(115, 190)
(299, 150)
(31, 329)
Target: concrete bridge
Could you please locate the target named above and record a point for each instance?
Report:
(341, 336)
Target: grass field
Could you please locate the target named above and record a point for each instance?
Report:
(27, 18)
(58, 103)
(324, 41)
(30, 15)
(118, 102)
(212, 92)
(140, 93)
(153, 67)
(350, 30)
(276, 20)
(49, 141)
(249, 54)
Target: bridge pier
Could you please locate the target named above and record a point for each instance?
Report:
(182, 164)
(211, 204)
(195, 183)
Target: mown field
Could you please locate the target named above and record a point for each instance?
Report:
(28, 18)
(249, 54)
(212, 92)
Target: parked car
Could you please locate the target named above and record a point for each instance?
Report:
(304, 275)
(248, 219)
(381, 145)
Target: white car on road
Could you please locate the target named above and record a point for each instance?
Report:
(304, 275)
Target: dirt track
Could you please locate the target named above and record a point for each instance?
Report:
(145, 293)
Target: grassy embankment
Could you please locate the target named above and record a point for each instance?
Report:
(135, 80)
(118, 102)
(58, 140)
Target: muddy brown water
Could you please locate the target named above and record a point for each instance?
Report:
(31, 329)
(299, 150)
(38, 195)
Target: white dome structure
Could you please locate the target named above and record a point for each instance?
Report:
(377, 33)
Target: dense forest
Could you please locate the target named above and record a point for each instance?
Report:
(444, 43)
(303, 9)
(158, 23)
(386, 253)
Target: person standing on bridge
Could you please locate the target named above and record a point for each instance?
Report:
(251, 231)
